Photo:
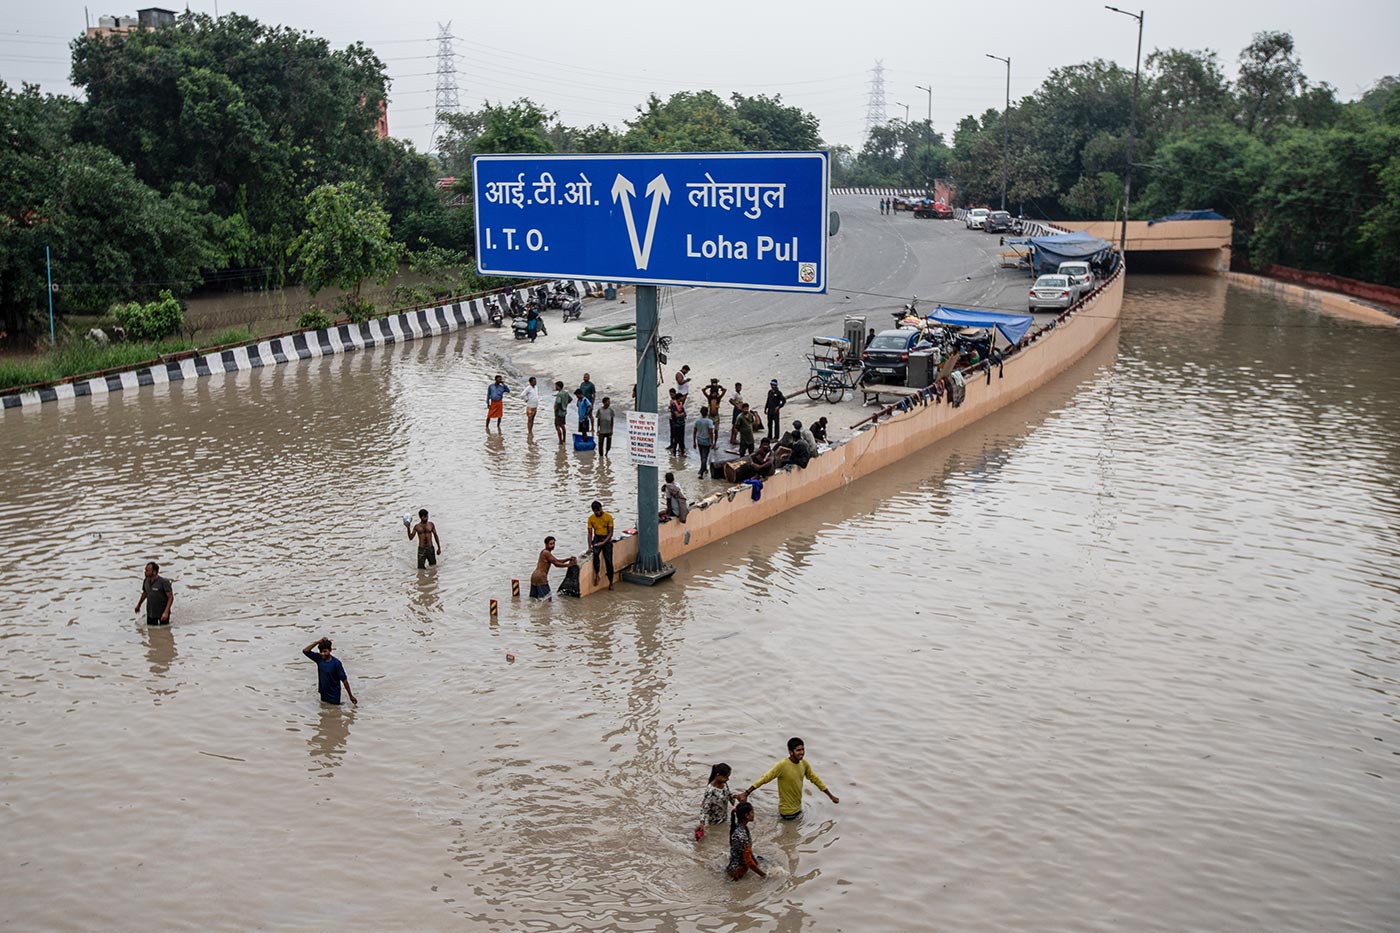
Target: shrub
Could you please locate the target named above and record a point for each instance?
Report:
(358, 310)
(155, 320)
(316, 318)
(232, 335)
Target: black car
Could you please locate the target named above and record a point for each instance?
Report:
(886, 358)
(997, 222)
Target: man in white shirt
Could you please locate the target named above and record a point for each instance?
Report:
(532, 404)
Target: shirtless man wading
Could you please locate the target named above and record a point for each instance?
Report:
(427, 535)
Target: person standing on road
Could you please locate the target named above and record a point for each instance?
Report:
(539, 580)
(683, 384)
(496, 401)
(714, 394)
(736, 405)
(677, 413)
(772, 407)
(600, 540)
(157, 595)
(427, 535)
(585, 409)
(702, 433)
(330, 673)
(743, 428)
(532, 405)
(590, 392)
(790, 773)
(605, 418)
(561, 409)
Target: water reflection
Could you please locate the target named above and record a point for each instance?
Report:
(159, 641)
(327, 743)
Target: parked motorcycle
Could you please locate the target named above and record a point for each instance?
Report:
(494, 314)
(517, 305)
(573, 310)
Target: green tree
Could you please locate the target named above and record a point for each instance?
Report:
(690, 121)
(346, 240)
(1270, 78)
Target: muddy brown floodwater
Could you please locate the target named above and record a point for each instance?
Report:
(1124, 655)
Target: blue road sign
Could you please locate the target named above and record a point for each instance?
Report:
(723, 219)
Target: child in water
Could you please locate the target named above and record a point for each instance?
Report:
(741, 857)
(714, 806)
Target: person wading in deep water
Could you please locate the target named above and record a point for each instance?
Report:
(714, 806)
(741, 857)
(157, 595)
(790, 772)
(539, 580)
(427, 535)
(330, 673)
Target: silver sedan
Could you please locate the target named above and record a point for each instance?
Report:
(1053, 292)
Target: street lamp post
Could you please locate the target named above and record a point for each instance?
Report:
(1132, 130)
(1005, 125)
(929, 89)
(906, 110)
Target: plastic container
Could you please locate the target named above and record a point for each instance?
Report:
(584, 442)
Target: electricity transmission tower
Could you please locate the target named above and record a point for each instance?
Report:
(446, 82)
(875, 110)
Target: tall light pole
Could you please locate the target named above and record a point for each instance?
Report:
(929, 89)
(906, 110)
(1005, 125)
(1132, 130)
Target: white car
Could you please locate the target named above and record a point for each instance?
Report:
(1081, 276)
(975, 218)
(1053, 293)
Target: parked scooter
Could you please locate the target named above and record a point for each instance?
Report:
(517, 305)
(520, 327)
(494, 314)
(573, 310)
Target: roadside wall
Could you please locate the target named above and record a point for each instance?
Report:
(888, 440)
(303, 345)
(1330, 302)
(1382, 295)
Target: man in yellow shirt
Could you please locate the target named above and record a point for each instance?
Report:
(600, 540)
(790, 772)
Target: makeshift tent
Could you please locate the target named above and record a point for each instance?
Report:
(1012, 326)
(1050, 251)
(1189, 215)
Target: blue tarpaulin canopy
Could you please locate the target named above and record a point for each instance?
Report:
(1012, 326)
(1189, 215)
(1050, 251)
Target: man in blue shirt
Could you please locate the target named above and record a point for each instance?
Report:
(495, 402)
(330, 673)
(585, 412)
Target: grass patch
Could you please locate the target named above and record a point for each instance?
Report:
(80, 356)
(225, 337)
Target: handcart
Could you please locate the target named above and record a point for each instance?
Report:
(834, 370)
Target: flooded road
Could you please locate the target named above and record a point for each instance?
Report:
(1123, 655)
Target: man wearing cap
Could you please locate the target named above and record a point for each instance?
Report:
(772, 407)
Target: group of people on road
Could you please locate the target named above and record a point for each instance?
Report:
(720, 805)
(595, 418)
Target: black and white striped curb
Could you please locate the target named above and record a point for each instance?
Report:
(306, 345)
(889, 192)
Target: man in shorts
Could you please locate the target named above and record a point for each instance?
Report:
(539, 580)
(600, 540)
(561, 409)
(427, 535)
(157, 595)
(532, 405)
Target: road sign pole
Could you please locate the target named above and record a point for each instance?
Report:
(648, 494)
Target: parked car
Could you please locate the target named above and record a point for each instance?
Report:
(886, 358)
(975, 218)
(898, 203)
(1081, 276)
(1052, 292)
(997, 222)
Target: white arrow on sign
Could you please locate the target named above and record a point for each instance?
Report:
(658, 191)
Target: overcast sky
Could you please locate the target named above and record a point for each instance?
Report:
(595, 62)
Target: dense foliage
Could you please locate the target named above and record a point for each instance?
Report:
(1309, 181)
(223, 152)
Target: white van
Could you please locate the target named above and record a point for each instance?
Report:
(1080, 275)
